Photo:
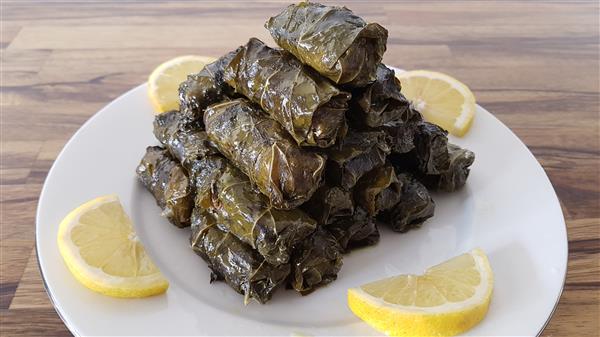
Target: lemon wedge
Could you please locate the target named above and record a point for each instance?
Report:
(441, 99)
(163, 83)
(446, 300)
(100, 248)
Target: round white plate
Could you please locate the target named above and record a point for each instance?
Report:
(508, 208)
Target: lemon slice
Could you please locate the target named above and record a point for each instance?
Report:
(100, 248)
(441, 99)
(446, 300)
(163, 83)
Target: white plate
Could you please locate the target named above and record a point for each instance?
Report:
(508, 208)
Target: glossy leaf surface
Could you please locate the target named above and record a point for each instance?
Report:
(263, 150)
(168, 182)
(233, 261)
(332, 40)
(306, 104)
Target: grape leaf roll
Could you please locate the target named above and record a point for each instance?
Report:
(357, 230)
(380, 102)
(359, 153)
(400, 134)
(246, 213)
(328, 203)
(307, 105)
(315, 262)
(242, 268)
(378, 190)
(457, 173)
(332, 40)
(415, 206)
(262, 149)
(187, 142)
(169, 184)
(430, 152)
(206, 87)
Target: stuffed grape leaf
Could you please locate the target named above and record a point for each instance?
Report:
(243, 211)
(168, 183)
(400, 134)
(206, 87)
(380, 102)
(242, 267)
(328, 203)
(355, 231)
(332, 40)
(415, 206)
(378, 190)
(315, 262)
(430, 153)
(307, 105)
(261, 148)
(187, 142)
(359, 153)
(457, 173)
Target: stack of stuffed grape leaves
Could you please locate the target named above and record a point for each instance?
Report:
(283, 160)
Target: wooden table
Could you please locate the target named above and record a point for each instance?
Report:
(534, 65)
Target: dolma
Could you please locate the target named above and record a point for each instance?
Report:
(359, 153)
(332, 40)
(187, 142)
(315, 262)
(415, 206)
(204, 175)
(400, 134)
(430, 154)
(307, 105)
(378, 190)
(355, 231)
(456, 175)
(206, 87)
(328, 203)
(262, 149)
(244, 212)
(166, 124)
(380, 102)
(168, 183)
(229, 259)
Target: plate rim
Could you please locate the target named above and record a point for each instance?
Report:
(135, 88)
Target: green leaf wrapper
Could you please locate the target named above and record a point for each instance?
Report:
(306, 104)
(244, 212)
(332, 40)
(168, 183)
(263, 150)
(242, 267)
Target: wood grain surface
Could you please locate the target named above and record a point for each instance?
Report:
(534, 65)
